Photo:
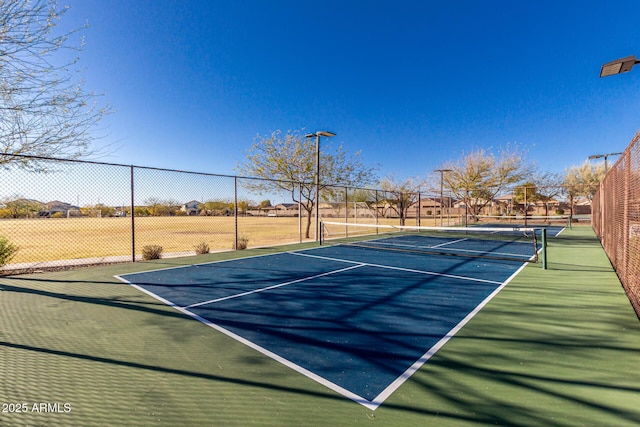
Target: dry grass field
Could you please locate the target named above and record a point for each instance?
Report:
(48, 239)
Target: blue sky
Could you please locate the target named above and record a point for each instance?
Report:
(410, 84)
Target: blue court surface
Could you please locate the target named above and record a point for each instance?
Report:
(357, 320)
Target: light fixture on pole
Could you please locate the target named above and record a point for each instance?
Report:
(442, 171)
(600, 156)
(318, 134)
(618, 66)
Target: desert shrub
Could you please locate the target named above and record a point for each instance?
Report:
(140, 211)
(243, 242)
(559, 211)
(202, 248)
(7, 250)
(150, 252)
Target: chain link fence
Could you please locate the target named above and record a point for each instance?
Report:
(616, 219)
(70, 212)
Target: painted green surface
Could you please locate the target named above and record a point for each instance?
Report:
(559, 347)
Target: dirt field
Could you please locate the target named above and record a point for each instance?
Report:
(48, 239)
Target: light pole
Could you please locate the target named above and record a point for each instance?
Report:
(618, 66)
(442, 171)
(318, 134)
(599, 156)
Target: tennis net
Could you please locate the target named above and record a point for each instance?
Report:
(534, 221)
(502, 243)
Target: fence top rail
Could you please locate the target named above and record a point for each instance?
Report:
(428, 193)
(95, 162)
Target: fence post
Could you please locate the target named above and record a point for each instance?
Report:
(626, 214)
(377, 221)
(235, 210)
(544, 247)
(299, 212)
(133, 220)
(346, 211)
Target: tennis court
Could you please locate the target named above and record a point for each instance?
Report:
(359, 317)
(554, 347)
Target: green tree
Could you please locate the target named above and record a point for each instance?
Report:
(526, 194)
(98, 210)
(7, 250)
(362, 195)
(159, 207)
(243, 206)
(218, 207)
(141, 211)
(19, 207)
(583, 181)
(287, 163)
(45, 111)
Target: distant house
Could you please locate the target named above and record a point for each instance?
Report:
(282, 209)
(287, 206)
(386, 209)
(582, 205)
(428, 206)
(505, 204)
(287, 209)
(191, 208)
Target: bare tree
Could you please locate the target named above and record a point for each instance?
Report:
(549, 185)
(401, 194)
(44, 110)
(288, 163)
(478, 177)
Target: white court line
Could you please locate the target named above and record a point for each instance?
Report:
(408, 270)
(369, 404)
(515, 257)
(450, 243)
(404, 245)
(378, 400)
(279, 285)
(309, 374)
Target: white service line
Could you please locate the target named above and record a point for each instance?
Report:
(279, 285)
(450, 243)
(408, 270)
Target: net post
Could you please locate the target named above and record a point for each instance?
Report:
(321, 233)
(544, 248)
